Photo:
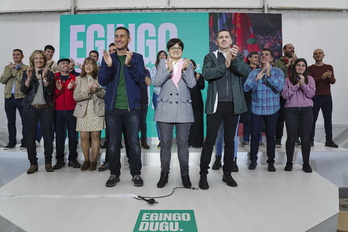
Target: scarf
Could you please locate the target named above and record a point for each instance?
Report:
(177, 73)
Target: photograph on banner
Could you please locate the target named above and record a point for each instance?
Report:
(250, 32)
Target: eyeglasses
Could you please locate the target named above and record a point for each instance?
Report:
(175, 49)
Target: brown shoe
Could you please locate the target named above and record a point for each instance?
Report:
(49, 167)
(85, 165)
(144, 145)
(33, 168)
(92, 166)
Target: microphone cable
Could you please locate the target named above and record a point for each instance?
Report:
(152, 201)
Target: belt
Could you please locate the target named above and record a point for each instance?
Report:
(40, 106)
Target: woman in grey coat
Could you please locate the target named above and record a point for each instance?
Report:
(175, 76)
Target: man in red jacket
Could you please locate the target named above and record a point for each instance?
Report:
(64, 119)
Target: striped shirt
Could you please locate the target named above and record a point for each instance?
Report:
(265, 92)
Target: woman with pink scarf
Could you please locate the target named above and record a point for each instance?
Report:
(175, 76)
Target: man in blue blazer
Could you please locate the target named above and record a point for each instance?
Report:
(121, 73)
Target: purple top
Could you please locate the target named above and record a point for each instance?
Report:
(299, 95)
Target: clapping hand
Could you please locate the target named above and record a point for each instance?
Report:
(129, 56)
(186, 64)
(261, 74)
(59, 85)
(71, 84)
(107, 58)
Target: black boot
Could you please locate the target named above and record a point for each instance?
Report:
(234, 165)
(186, 181)
(163, 180)
(203, 182)
(228, 179)
(217, 164)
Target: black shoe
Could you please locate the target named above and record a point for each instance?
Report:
(104, 145)
(74, 163)
(186, 181)
(331, 144)
(278, 144)
(33, 168)
(85, 165)
(271, 168)
(252, 165)
(59, 165)
(217, 164)
(144, 145)
(137, 181)
(23, 147)
(113, 179)
(307, 168)
(48, 167)
(228, 179)
(234, 167)
(9, 146)
(203, 182)
(163, 180)
(288, 167)
(104, 167)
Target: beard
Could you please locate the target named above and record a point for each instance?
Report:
(289, 54)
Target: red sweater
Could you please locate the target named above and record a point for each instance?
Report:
(64, 98)
(323, 86)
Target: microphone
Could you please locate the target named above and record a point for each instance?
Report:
(150, 201)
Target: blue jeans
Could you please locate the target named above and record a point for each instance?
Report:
(65, 120)
(182, 134)
(245, 118)
(114, 122)
(45, 116)
(219, 143)
(298, 121)
(154, 102)
(11, 104)
(323, 102)
(256, 128)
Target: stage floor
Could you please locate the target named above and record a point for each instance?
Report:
(71, 200)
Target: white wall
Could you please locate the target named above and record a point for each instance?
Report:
(307, 30)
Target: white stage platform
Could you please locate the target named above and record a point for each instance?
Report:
(71, 200)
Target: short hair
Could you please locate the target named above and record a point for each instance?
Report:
(174, 41)
(95, 68)
(251, 55)
(222, 31)
(32, 56)
(112, 44)
(269, 50)
(18, 50)
(123, 28)
(49, 47)
(94, 51)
